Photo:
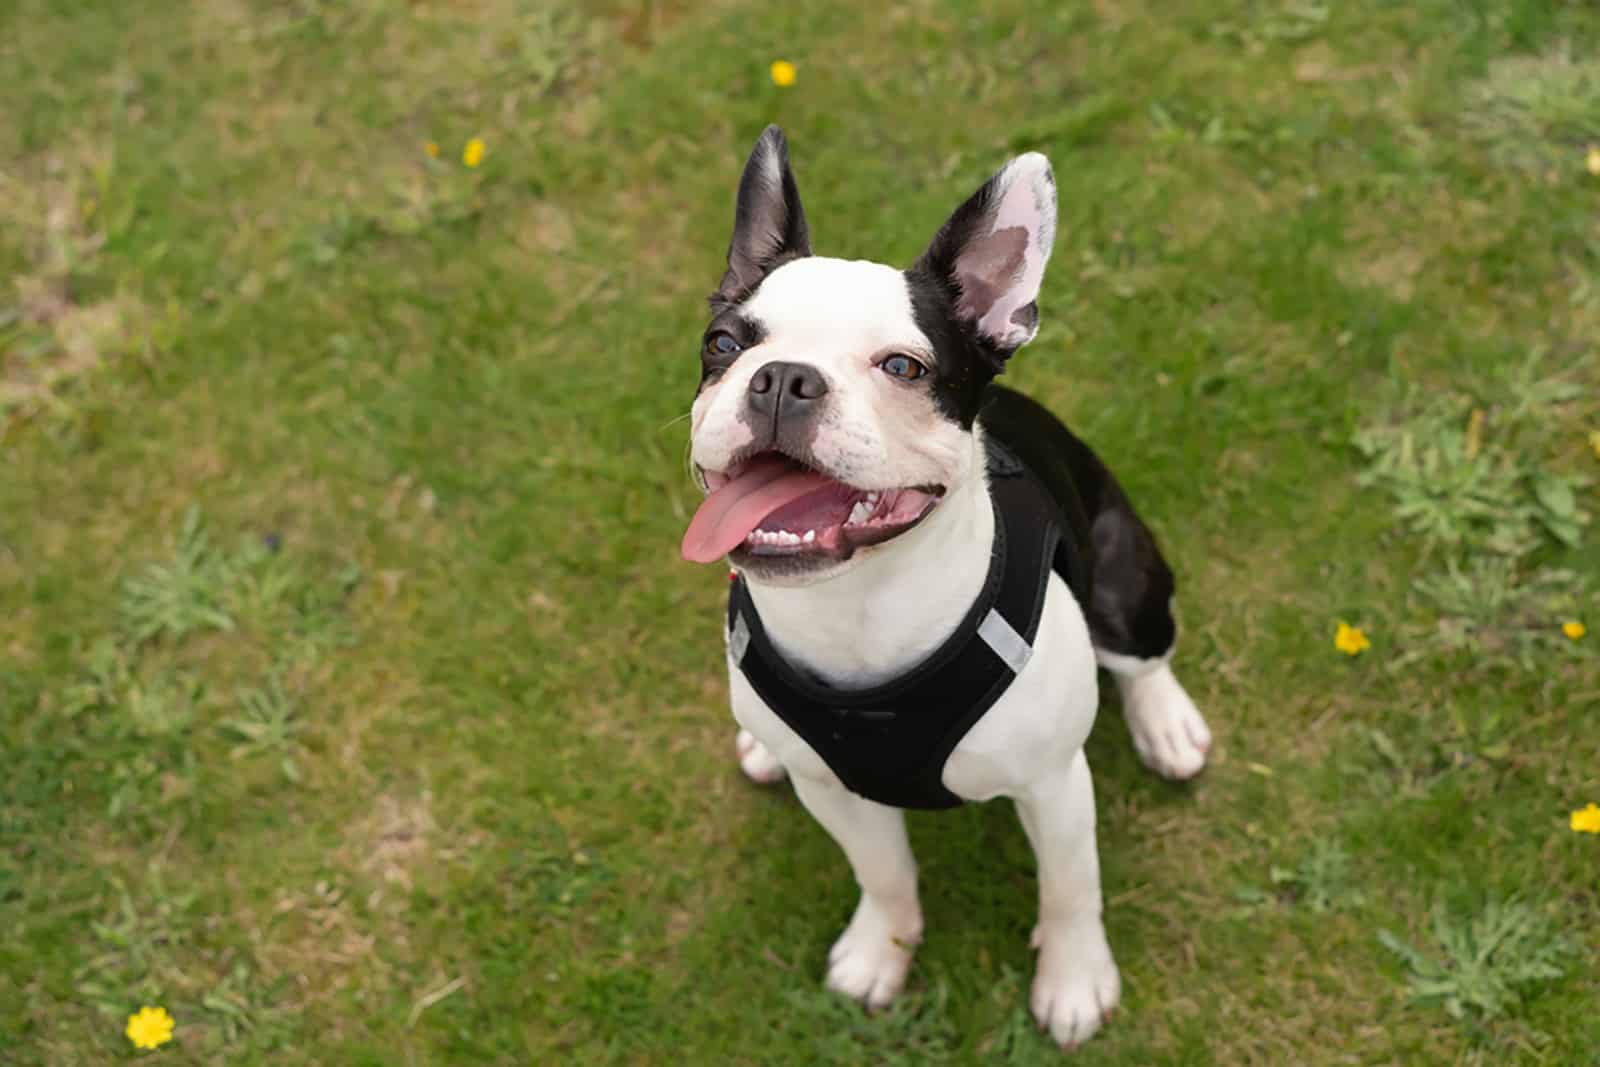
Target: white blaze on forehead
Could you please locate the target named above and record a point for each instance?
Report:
(823, 309)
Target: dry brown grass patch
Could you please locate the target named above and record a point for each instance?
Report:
(1442, 225)
(56, 336)
(350, 929)
(392, 839)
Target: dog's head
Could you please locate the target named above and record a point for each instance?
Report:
(837, 398)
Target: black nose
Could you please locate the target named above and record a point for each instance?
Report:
(783, 391)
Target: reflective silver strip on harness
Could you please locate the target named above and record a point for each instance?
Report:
(1006, 642)
(739, 639)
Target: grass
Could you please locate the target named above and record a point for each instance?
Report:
(1491, 958)
(357, 709)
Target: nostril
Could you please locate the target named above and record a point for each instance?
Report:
(778, 380)
(807, 386)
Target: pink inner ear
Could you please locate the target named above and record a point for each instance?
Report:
(988, 267)
(1001, 271)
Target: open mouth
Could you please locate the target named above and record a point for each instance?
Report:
(772, 505)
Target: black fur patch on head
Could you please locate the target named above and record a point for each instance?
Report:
(965, 363)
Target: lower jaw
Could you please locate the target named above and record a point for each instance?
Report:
(790, 558)
(825, 552)
(783, 567)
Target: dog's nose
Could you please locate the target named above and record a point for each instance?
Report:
(783, 391)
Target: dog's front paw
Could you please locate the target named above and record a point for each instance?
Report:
(1076, 986)
(756, 760)
(870, 960)
(1168, 732)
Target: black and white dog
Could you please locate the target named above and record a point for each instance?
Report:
(928, 567)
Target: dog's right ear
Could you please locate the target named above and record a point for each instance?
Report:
(769, 226)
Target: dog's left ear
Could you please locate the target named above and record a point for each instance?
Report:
(769, 226)
(990, 256)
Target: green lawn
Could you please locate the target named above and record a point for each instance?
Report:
(356, 708)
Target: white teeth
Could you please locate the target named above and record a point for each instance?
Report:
(859, 514)
(779, 537)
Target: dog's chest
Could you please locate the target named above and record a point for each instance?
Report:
(1043, 716)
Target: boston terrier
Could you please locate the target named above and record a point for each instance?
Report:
(926, 567)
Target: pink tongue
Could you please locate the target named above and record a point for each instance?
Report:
(728, 515)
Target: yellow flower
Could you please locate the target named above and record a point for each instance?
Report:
(1591, 162)
(153, 1026)
(1594, 442)
(472, 155)
(1574, 629)
(783, 73)
(432, 148)
(1587, 820)
(1350, 640)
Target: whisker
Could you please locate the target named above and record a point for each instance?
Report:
(688, 462)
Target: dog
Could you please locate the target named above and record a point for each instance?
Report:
(927, 568)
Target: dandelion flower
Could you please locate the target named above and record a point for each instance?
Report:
(1594, 442)
(1574, 629)
(152, 1027)
(472, 155)
(432, 148)
(783, 73)
(1586, 820)
(1591, 162)
(1350, 640)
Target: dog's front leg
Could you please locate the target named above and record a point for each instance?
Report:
(1076, 985)
(870, 959)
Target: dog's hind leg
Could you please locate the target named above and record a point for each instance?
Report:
(870, 960)
(1076, 985)
(1130, 607)
(1131, 624)
(1168, 731)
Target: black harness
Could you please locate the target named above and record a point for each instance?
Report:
(889, 743)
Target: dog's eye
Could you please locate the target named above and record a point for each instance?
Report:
(903, 367)
(721, 345)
